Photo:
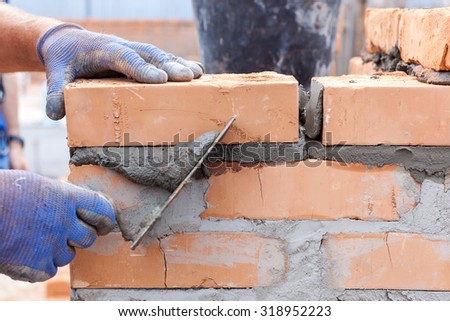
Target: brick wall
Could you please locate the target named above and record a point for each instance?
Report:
(278, 218)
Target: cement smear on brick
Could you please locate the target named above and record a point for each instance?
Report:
(308, 275)
(421, 162)
(391, 61)
(164, 167)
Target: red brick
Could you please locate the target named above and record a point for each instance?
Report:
(110, 263)
(422, 35)
(126, 194)
(297, 191)
(103, 111)
(356, 66)
(58, 290)
(190, 260)
(385, 109)
(381, 27)
(58, 287)
(309, 191)
(388, 261)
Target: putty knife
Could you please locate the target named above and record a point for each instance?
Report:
(147, 223)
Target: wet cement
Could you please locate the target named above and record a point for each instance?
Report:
(391, 61)
(311, 106)
(163, 167)
(422, 162)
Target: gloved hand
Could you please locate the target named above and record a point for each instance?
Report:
(42, 220)
(68, 52)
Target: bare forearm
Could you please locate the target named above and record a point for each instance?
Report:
(19, 33)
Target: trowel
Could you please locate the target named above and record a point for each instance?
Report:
(148, 221)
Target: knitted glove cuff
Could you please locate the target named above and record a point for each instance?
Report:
(49, 33)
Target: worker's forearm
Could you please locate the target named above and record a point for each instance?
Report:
(19, 33)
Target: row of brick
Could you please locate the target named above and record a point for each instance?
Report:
(125, 113)
(422, 35)
(243, 260)
(386, 109)
(189, 260)
(301, 190)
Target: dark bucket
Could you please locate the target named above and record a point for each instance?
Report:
(288, 36)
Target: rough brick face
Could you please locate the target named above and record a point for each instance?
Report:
(190, 260)
(381, 27)
(388, 261)
(110, 263)
(311, 190)
(126, 113)
(385, 109)
(422, 35)
(126, 194)
(295, 191)
(356, 66)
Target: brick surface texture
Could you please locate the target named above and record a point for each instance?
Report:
(130, 114)
(386, 109)
(291, 192)
(388, 260)
(422, 35)
(190, 260)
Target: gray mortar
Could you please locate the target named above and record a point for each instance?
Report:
(129, 220)
(391, 61)
(313, 110)
(251, 153)
(307, 277)
(248, 153)
(420, 161)
(164, 167)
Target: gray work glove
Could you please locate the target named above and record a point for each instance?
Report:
(68, 52)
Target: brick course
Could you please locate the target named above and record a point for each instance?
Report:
(309, 190)
(385, 109)
(189, 260)
(125, 113)
(422, 35)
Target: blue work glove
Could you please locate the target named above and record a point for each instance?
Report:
(42, 220)
(69, 52)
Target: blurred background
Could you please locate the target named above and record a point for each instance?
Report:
(167, 24)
